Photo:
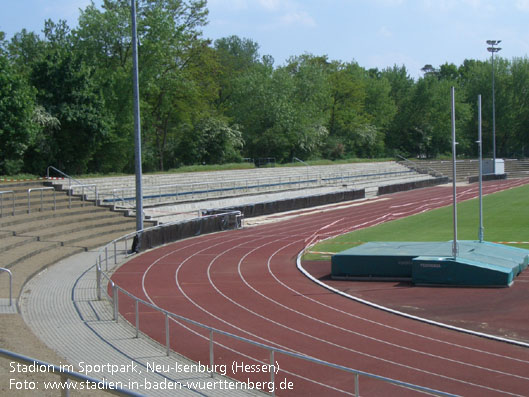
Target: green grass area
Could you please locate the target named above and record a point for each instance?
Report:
(335, 162)
(506, 218)
(17, 177)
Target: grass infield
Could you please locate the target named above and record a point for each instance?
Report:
(505, 219)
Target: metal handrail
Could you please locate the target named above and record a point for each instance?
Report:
(70, 179)
(66, 375)
(416, 167)
(3, 269)
(116, 290)
(41, 189)
(61, 173)
(2, 201)
(71, 188)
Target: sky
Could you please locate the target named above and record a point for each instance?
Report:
(373, 33)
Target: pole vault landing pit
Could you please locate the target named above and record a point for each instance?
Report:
(476, 264)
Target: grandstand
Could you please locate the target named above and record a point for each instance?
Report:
(39, 225)
(168, 197)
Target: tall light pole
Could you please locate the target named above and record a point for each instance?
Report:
(137, 122)
(492, 49)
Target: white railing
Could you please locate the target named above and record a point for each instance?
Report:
(110, 261)
(3, 269)
(2, 201)
(41, 189)
(71, 189)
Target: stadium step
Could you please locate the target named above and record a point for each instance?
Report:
(30, 242)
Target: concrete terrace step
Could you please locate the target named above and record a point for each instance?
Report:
(106, 185)
(8, 221)
(28, 267)
(66, 222)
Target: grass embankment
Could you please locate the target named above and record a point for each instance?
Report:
(506, 218)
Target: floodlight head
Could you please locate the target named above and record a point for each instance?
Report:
(493, 42)
(493, 49)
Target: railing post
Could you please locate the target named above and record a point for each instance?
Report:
(106, 257)
(3, 269)
(137, 313)
(115, 254)
(115, 300)
(65, 390)
(167, 342)
(98, 281)
(272, 372)
(211, 355)
(357, 385)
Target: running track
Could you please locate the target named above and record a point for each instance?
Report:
(246, 282)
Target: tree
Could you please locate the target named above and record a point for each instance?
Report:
(170, 51)
(211, 141)
(17, 129)
(67, 91)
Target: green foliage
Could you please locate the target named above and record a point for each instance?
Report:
(211, 141)
(17, 129)
(69, 96)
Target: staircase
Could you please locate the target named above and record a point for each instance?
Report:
(48, 229)
(517, 168)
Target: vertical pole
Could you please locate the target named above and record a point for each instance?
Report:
(493, 121)
(98, 282)
(454, 173)
(137, 124)
(357, 385)
(116, 303)
(272, 372)
(480, 142)
(211, 355)
(167, 341)
(137, 312)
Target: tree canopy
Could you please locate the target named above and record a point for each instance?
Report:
(66, 98)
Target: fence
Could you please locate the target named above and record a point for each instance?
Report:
(109, 258)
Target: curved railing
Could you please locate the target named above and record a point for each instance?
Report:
(111, 255)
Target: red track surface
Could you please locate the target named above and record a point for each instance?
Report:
(246, 282)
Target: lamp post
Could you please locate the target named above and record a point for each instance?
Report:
(492, 49)
(137, 123)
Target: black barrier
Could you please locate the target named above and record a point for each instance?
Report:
(401, 187)
(168, 233)
(487, 177)
(272, 207)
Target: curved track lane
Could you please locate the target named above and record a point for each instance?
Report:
(246, 282)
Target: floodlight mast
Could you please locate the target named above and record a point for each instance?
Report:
(492, 49)
(454, 143)
(480, 143)
(137, 123)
